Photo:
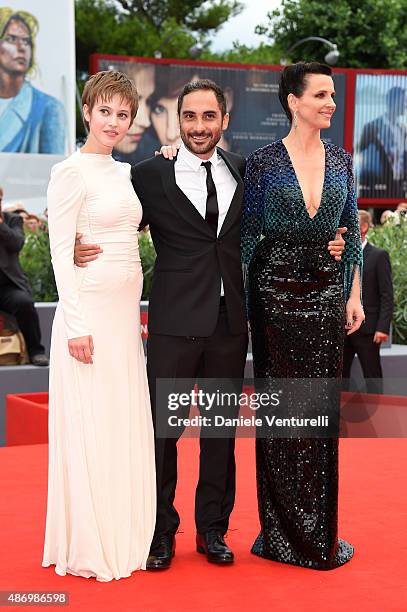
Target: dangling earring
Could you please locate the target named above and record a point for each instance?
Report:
(295, 120)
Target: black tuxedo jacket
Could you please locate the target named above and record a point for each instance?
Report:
(377, 289)
(191, 261)
(11, 243)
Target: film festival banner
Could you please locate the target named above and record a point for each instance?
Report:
(380, 135)
(37, 95)
(256, 117)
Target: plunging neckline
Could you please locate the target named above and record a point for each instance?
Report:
(299, 184)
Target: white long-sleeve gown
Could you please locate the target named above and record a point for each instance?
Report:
(101, 482)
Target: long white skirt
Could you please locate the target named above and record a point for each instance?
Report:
(101, 483)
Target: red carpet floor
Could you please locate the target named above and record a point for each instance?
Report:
(373, 516)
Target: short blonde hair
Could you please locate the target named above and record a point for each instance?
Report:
(106, 84)
(365, 217)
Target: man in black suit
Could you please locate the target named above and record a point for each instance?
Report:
(15, 293)
(377, 291)
(197, 317)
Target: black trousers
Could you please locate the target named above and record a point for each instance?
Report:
(220, 356)
(20, 304)
(368, 352)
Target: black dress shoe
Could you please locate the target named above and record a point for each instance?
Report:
(161, 552)
(212, 544)
(40, 360)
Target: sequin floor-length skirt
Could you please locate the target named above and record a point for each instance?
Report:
(297, 324)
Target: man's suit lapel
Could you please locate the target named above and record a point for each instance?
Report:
(188, 211)
(235, 208)
(179, 200)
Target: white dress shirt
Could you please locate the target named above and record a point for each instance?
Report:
(364, 243)
(190, 177)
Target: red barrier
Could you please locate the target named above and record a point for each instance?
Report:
(26, 419)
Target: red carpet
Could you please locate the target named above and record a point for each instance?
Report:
(373, 516)
(363, 416)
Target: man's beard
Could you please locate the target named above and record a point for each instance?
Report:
(204, 147)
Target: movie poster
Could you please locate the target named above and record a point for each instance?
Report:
(380, 135)
(37, 93)
(256, 116)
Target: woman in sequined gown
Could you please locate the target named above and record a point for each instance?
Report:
(300, 300)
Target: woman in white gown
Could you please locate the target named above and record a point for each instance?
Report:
(101, 483)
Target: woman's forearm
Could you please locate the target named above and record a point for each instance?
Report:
(355, 291)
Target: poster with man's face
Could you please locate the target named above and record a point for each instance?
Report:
(380, 136)
(37, 92)
(256, 116)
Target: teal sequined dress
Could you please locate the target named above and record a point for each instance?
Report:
(296, 303)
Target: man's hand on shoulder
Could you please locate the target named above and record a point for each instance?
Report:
(168, 151)
(83, 253)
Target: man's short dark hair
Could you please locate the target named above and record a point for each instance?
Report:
(203, 85)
